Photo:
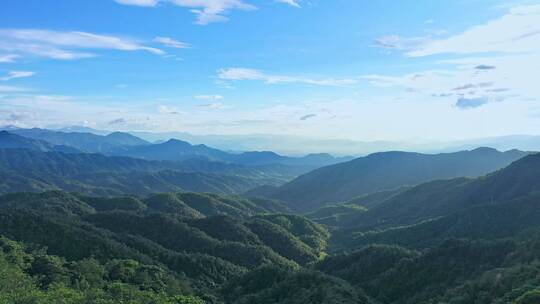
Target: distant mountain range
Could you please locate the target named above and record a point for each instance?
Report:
(85, 142)
(125, 144)
(33, 170)
(391, 227)
(384, 171)
(297, 145)
(119, 163)
(13, 141)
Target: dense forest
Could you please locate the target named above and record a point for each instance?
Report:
(91, 228)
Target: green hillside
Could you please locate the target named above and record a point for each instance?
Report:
(386, 171)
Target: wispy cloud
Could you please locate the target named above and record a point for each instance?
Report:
(163, 109)
(207, 11)
(517, 31)
(8, 58)
(290, 2)
(237, 74)
(65, 45)
(208, 97)
(11, 89)
(138, 2)
(172, 43)
(396, 42)
(17, 74)
(507, 51)
(212, 106)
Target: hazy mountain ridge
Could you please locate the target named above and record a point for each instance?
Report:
(31, 170)
(386, 171)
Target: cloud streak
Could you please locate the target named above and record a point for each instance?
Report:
(17, 74)
(239, 74)
(65, 45)
(290, 2)
(517, 31)
(172, 43)
(490, 62)
(207, 11)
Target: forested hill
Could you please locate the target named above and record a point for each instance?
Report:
(453, 241)
(385, 171)
(438, 198)
(160, 246)
(33, 170)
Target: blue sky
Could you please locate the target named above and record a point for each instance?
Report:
(343, 69)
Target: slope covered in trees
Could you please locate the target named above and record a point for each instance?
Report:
(33, 170)
(386, 171)
(462, 240)
(217, 240)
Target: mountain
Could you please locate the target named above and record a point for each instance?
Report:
(178, 150)
(30, 170)
(386, 171)
(203, 252)
(125, 144)
(499, 205)
(443, 197)
(175, 150)
(9, 140)
(86, 142)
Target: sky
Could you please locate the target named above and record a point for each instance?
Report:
(323, 69)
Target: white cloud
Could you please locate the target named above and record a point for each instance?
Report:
(290, 2)
(17, 74)
(212, 106)
(11, 89)
(252, 74)
(66, 45)
(517, 31)
(8, 58)
(207, 11)
(208, 97)
(506, 61)
(138, 2)
(399, 43)
(173, 43)
(164, 109)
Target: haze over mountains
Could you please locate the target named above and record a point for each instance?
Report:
(115, 211)
(297, 145)
(386, 171)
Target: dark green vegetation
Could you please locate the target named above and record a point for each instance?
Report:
(195, 241)
(386, 171)
(41, 160)
(457, 241)
(31, 170)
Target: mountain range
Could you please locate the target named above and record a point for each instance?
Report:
(110, 218)
(125, 144)
(384, 171)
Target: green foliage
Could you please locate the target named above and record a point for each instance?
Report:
(27, 170)
(531, 297)
(137, 242)
(34, 277)
(386, 171)
(335, 215)
(271, 285)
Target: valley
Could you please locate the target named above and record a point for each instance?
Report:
(196, 226)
